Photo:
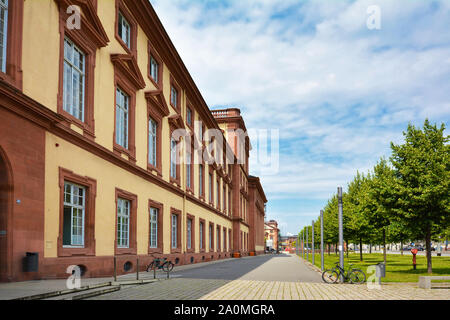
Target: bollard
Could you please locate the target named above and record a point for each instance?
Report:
(414, 252)
(137, 269)
(115, 269)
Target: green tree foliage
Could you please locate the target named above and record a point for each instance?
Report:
(405, 198)
(422, 171)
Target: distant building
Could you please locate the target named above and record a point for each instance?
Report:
(272, 234)
(288, 243)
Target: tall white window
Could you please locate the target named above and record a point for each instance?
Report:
(124, 30)
(152, 140)
(201, 235)
(210, 188)
(224, 240)
(189, 116)
(174, 97)
(123, 223)
(74, 215)
(174, 231)
(224, 202)
(189, 234)
(122, 118)
(218, 194)
(173, 158)
(3, 33)
(188, 174)
(211, 237)
(153, 228)
(74, 79)
(218, 239)
(154, 69)
(201, 180)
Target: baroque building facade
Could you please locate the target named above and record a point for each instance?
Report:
(93, 95)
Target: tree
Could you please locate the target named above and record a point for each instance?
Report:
(358, 225)
(422, 171)
(398, 232)
(380, 201)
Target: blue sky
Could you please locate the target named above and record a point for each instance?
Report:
(338, 92)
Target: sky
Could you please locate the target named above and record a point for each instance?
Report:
(337, 92)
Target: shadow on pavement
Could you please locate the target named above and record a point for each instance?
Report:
(229, 270)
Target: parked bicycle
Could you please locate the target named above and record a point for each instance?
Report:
(158, 264)
(352, 275)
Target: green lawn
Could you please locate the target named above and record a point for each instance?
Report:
(398, 269)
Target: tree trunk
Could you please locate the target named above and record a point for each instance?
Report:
(328, 249)
(428, 247)
(360, 250)
(346, 244)
(335, 249)
(370, 248)
(384, 245)
(401, 247)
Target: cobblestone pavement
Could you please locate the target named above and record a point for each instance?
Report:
(172, 289)
(275, 290)
(210, 289)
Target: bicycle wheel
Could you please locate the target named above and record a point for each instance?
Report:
(357, 276)
(330, 276)
(168, 266)
(150, 267)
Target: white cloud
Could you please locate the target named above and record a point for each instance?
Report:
(338, 92)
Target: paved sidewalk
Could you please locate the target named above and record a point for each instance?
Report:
(14, 290)
(276, 290)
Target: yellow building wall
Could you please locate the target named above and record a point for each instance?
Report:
(41, 53)
(109, 177)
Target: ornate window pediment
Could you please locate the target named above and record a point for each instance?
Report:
(156, 100)
(90, 22)
(176, 122)
(127, 66)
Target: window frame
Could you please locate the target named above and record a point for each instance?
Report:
(160, 231)
(12, 74)
(152, 113)
(211, 246)
(132, 245)
(153, 54)
(190, 167)
(224, 240)
(202, 230)
(153, 136)
(123, 10)
(177, 213)
(90, 186)
(174, 84)
(76, 206)
(126, 111)
(126, 215)
(130, 152)
(191, 218)
(201, 181)
(218, 238)
(87, 124)
(4, 51)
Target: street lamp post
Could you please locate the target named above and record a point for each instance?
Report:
(307, 241)
(312, 241)
(321, 241)
(341, 232)
(303, 244)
